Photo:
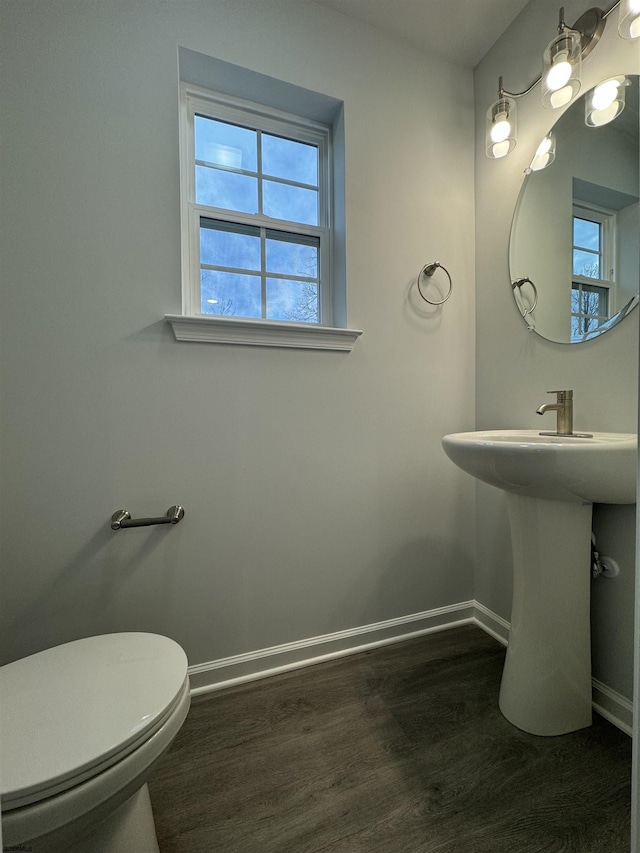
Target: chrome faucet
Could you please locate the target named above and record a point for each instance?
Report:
(564, 408)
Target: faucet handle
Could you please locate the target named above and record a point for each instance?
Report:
(563, 395)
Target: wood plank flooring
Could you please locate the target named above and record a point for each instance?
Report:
(400, 749)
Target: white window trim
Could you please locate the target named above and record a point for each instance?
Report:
(267, 333)
(602, 283)
(194, 326)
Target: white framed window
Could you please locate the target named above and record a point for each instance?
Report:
(257, 231)
(593, 269)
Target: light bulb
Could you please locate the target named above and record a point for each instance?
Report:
(604, 116)
(501, 128)
(561, 97)
(605, 102)
(500, 149)
(629, 20)
(560, 72)
(561, 63)
(544, 146)
(539, 162)
(604, 95)
(544, 156)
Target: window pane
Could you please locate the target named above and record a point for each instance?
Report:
(225, 144)
(293, 161)
(586, 234)
(229, 190)
(294, 204)
(589, 307)
(586, 264)
(291, 257)
(576, 328)
(575, 299)
(595, 300)
(230, 294)
(292, 300)
(225, 245)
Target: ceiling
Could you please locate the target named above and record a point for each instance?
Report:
(461, 29)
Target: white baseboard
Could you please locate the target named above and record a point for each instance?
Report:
(227, 672)
(491, 623)
(613, 706)
(218, 674)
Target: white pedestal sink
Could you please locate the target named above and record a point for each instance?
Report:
(551, 483)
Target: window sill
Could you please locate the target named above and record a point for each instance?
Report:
(261, 333)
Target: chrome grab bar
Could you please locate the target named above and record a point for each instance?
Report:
(122, 518)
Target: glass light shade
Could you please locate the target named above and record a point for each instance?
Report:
(561, 66)
(629, 19)
(545, 154)
(605, 102)
(501, 128)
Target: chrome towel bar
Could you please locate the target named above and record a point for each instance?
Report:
(122, 518)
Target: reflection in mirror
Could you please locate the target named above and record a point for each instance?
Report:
(574, 247)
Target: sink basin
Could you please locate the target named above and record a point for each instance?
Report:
(600, 469)
(551, 483)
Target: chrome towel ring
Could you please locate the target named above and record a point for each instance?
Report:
(428, 270)
(519, 283)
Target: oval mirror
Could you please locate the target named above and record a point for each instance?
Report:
(574, 252)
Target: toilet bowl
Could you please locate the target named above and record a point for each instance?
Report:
(83, 725)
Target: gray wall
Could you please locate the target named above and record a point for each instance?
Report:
(317, 496)
(515, 368)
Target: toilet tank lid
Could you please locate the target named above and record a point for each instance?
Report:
(73, 707)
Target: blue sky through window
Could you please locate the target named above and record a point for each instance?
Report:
(287, 300)
(586, 247)
(283, 201)
(285, 283)
(586, 234)
(249, 270)
(225, 153)
(292, 258)
(231, 294)
(220, 246)
(291, 160)
(227, 145)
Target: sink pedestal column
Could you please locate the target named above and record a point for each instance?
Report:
(546, 683)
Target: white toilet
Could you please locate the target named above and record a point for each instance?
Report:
(82, 726)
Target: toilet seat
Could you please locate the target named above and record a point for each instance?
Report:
(73, 711)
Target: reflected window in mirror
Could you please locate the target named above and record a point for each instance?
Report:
(589, 309)
(593, 279)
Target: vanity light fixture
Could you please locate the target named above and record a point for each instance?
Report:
(545, 154)
(561, 66)
(560, 80)
(629, 19)
(501, 125)
(562, 58)
(605, 102)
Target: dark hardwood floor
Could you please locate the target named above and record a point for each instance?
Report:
(400, 749)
